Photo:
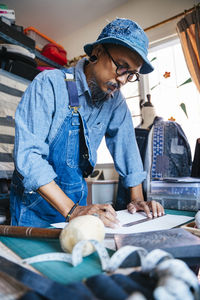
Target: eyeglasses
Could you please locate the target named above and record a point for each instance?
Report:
(122, 70)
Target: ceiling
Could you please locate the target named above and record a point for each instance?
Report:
(59, 18)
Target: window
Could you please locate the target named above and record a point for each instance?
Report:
(173, 93)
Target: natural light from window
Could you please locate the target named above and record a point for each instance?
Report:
(173, 93)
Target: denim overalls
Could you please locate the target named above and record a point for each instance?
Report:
(69, 161)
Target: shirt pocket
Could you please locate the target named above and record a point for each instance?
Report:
(72, 153)
(97, 132)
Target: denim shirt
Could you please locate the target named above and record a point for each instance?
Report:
(41, 113)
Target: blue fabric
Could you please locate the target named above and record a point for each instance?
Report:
(47, 143)
(31, 295)
(126, 283)
(136, 282)
(104, 288)
(73, 93)
(171, 151)
(127, 33)
(142, 140)
(123, 194)
(81, 289)
(195, 172)
(145, 283)
(119, 286)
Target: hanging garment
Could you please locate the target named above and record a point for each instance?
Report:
(167, 154)
(171, 151)
(196, 161)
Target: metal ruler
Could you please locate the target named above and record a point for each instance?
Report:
(140, 221)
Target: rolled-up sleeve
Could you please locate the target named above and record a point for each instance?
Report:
(121, 142)
(32, 124)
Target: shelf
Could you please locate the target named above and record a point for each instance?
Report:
(38, 55)
(46, 60)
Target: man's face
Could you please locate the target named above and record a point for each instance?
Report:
(102, 77)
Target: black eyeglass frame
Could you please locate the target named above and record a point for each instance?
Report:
(118, 66)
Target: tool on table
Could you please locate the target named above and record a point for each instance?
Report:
(32, 232)
(138, 222)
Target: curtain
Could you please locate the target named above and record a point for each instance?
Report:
(189, 33)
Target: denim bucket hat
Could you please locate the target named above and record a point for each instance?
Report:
(128, 34)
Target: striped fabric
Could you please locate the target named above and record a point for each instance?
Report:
(12, 88)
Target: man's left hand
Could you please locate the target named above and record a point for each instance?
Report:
(152, 208)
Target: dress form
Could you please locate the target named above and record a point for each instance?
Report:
(148, 113)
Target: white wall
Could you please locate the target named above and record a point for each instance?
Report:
(144, 12)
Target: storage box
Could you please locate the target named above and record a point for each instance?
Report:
(102, 191)
(180, 186)
(181, 194)
(40, 39)
(178, 202)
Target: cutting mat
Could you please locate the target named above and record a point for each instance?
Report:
(59, 271)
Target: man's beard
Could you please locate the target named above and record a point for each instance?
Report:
(97, 95)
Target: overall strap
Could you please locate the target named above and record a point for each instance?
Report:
(85, 165)
(73, 92)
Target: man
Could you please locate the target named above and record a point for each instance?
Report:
(56, 140)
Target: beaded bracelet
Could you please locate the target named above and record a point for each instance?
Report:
(71, 211)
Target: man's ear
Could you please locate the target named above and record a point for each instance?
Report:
(97, 50)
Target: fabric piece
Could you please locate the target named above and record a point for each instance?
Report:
(11, 90)
(31, 295)
(196, 161)
(189, 33)
(123, 194)
(142, 139)
(104, 288)
(171, 154)
(135, 282)
(146, 283)
(162, 164)
(55, 53)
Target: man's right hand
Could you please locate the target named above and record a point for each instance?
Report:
(105, 212)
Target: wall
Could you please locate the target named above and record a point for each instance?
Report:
(145, 12)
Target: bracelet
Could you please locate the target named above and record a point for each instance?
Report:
(71, 211)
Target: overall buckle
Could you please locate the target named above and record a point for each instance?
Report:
(74, 108)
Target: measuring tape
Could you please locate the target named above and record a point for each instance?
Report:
(108, 264)
(158, 263)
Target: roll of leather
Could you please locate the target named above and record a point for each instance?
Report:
(31, 232)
